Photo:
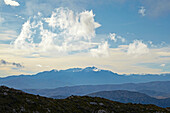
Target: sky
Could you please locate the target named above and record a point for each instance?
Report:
(124, 36)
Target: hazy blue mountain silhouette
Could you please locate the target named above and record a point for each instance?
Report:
(156, 94)
(153, 88)
(76, 76)
(131, 97)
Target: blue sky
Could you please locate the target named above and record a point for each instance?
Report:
(125, 36)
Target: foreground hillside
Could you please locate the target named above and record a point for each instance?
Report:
(132, 97)
(15, 101)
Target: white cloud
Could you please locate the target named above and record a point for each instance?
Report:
(121, 38)
(11, 3)
(142, 11)
(25, 40)
(151, 44)
(115, 37)
(20, 17)
(77, 26)
(38, 65)
(101, 51)
(117, 61)
(137, 48)
(64, 32)
(163, 65)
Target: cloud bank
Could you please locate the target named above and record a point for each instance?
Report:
(11, 3)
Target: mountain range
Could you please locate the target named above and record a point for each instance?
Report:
(92, 81)
(76, 76)
(154, 89)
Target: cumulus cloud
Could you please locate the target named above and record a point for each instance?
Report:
(24, 40)
(78, 26)
(101, 51)
(137, 48)
(11, 3)
(3, 62)
(63, 32)
(142, 11)
(115, 37)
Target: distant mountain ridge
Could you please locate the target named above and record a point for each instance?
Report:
(156, 94)
(159, 88)
(76, 76)
(131, 97)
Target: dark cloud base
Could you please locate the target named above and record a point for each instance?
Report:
(18, 65)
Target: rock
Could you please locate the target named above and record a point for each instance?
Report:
(5, 93)
(22, 109)
(101, 104)
(93, 103)
(102, 111)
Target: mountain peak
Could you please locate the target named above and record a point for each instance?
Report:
(88, 69)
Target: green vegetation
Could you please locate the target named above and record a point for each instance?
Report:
(16, 101)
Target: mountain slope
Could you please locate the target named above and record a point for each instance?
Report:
(158, 86)
(156, 94)
(131, 97)
(15, 101)
(76, 76)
